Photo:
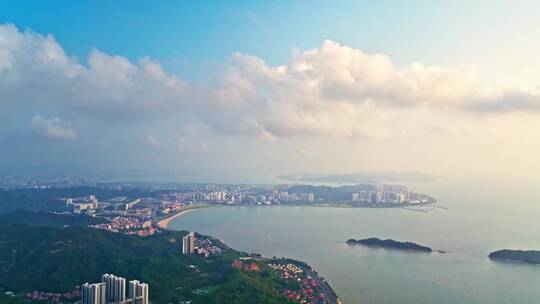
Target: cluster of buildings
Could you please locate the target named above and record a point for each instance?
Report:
(381, 195)
(288, 270)
(210, 193)
(309, 290)
(219, 194)
(128, 225)
(284, 196)
(112, 290)
(87, 204)
(52, 297)
(90, 204)
(119, 223)
(252, 198)
(202, 246)
(120, 212)
(209, 246)
(308, 293)
(170, 207)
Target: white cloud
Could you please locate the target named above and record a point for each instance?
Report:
(337, 90)
(54, 128)
(34, 69)
(333, 90)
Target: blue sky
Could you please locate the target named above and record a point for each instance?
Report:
(212, 30)
(176, 93)
(187, 33)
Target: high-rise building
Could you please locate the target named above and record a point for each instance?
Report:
(132, 289)
(93, 293)
(113, 291)
(116, 288)
(108, 279)
(143, 291)
(363, 196)
(120, 295)
(138, 292)
(376, 197)
(188, 243)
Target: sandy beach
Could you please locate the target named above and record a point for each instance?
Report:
(165, 222)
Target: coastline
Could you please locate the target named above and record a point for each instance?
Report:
(325, 285)
(337, 205)
(164, 223)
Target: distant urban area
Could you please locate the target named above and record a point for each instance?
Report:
(141, 208)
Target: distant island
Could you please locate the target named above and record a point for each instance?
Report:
(389, 244)
(525, 256)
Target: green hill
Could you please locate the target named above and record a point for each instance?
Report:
(56, 259)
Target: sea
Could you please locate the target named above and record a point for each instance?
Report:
(469, 221)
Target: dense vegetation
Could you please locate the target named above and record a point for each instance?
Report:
(525, 256)
(40, 256)
(389, 244)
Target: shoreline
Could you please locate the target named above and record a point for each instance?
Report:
(325, 285)
(164, 223)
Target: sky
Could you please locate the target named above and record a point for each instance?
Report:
(244, 91)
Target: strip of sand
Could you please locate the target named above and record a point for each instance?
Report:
(165, 222)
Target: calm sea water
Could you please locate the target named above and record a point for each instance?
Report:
(478, 220)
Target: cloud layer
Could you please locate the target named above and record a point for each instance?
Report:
(333, 90)
(330, 109)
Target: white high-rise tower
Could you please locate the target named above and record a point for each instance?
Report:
(115, 288)
(138, 292)
(93, 293)
(188, 243)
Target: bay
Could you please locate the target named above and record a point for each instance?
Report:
(478, 220)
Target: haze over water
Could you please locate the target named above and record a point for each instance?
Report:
(479, 219)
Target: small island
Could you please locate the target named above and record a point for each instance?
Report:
(524, 256)
(389, 244)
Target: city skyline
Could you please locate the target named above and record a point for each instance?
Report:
(360, 91)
